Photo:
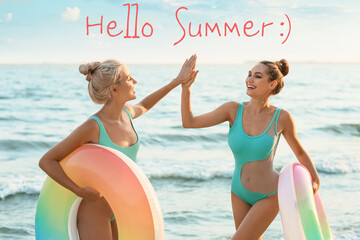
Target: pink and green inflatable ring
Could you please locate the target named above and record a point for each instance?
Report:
(302, 214)
(121, 182)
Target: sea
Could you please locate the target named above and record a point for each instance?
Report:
(190, 169)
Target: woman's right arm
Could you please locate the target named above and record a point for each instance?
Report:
(215, 117)
(50, 162)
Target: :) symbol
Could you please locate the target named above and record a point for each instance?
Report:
(282, 24)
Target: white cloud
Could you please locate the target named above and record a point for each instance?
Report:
(6, 17)
(9, 40)
(6, 41)
(271, 3)
(172, 3)
(71, 14)
(294, 5)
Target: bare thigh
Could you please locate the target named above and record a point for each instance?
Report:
(93, 220)
(114, 229)
(258, 219)
(240, 209)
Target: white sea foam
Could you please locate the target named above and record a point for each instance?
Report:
(339, 164)
(14, 185)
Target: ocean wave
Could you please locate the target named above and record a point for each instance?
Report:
(190, 176)
(21, 145)
(323, 167)
(159, 138)
(13, 231)
(348, 232)
(31, 185)
(6, 193)
(339, 164)
(13, 186)
(9, 118)
(341, 109)
(188, 217)
(4, 97)
(343, 129)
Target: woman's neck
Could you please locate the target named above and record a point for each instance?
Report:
(259, 105)
(112, 110)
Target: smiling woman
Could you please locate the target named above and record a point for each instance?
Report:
(110, 84)
(276, 71)
(255, 130)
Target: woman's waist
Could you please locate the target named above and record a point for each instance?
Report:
(257, 178)
(262, 169)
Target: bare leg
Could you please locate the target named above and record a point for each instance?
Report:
(114, 230)
(93, 220)
(258, 219)
(240, 209)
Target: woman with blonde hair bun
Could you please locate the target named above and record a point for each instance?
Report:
(111, 84)
(255, 129)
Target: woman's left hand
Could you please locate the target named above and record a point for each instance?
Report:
(316, 185)
(186, 71)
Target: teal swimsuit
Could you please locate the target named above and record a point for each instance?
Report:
(249, 149)
(105, 140)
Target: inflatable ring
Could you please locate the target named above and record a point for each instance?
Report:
(121, 182)
(302, 214)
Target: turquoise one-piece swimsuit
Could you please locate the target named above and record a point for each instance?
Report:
(249, 149)
(105, 140)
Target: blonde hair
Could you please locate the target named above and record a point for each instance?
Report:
(276, 71)
(101, 75)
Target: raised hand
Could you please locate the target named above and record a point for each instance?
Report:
(191, 80)
(186, 71)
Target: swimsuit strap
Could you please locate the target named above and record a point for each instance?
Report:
(272, 128)
(271, 193)
(278, 110)
(272, 120)
(128, 112)
(103, 136)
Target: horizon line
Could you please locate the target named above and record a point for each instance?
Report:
(176, 63)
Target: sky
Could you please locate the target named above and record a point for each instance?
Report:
(39, 31)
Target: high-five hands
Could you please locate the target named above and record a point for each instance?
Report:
(187, 72)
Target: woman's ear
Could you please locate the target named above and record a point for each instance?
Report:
(273, 84)
(113, 89)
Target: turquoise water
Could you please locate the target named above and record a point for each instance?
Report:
(190, 169)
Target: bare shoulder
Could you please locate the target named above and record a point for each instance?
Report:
(231, 108)
(89, 131)
(231, 105)
(285, 119)
(89, 124)
(284, 115)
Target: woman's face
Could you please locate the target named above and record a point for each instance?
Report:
(126, 85)
(257, 82)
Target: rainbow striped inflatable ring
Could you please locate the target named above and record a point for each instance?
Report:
(122, 183)
(302, 214)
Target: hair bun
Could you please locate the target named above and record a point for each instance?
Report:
(283, 66)
(88, 68)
